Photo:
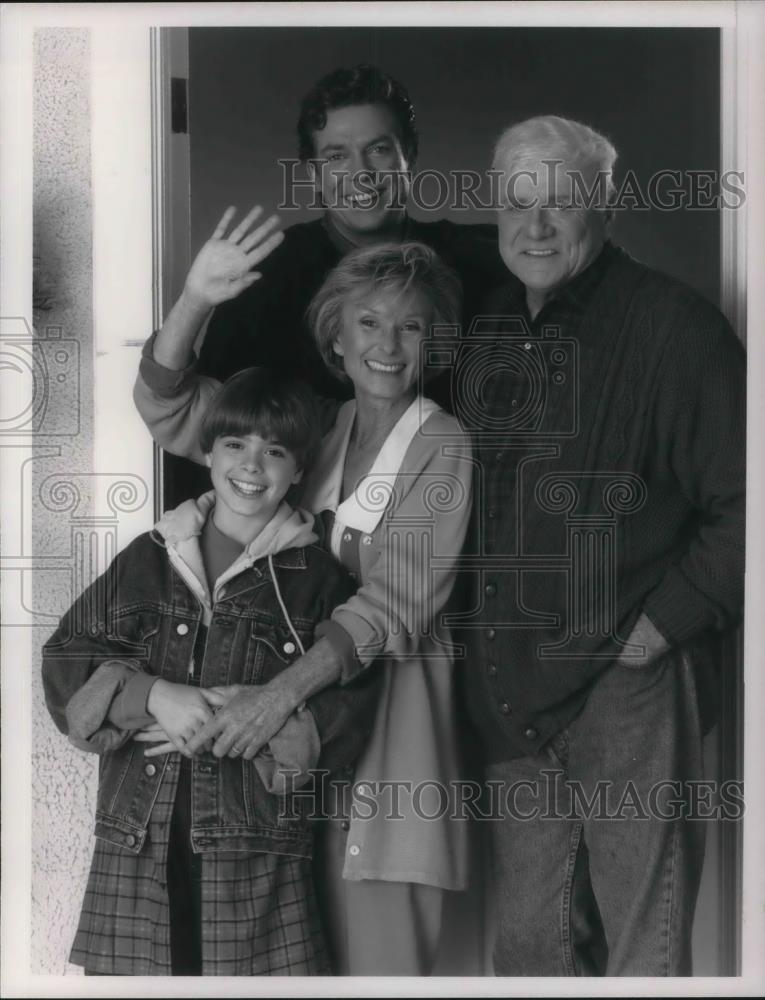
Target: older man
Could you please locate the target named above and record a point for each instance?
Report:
(608, 550)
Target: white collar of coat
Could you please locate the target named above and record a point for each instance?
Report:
(363, 509)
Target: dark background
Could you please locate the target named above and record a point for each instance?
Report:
(654, 92)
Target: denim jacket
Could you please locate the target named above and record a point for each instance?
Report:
(143, 616)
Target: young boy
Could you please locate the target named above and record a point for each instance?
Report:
(201, 865)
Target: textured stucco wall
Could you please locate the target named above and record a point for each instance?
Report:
(64, 780)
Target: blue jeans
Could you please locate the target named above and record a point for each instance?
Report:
(597, 863)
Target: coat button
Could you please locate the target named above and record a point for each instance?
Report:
(345, 825)
(490, 589)
(504, 708)
(130, 840)
(289, 647)
(354, 850)
(531, 733)
(182, 629)
(150, 769)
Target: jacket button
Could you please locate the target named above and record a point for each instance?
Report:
(130, 840)
(490, 589)
(354, 850)
(289, 647)
(347, 536)
(182, 629)
(504, 708)
(150, 769)
(345, 825)
(366, 540)
(491, 634)
(531, 733)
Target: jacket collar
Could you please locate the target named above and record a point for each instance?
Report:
(283, 538)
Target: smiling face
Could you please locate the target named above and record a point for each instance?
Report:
(380, 343)
(546, 236)
(361, 182)
(251, 477)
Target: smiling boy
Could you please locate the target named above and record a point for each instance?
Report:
(199, 869)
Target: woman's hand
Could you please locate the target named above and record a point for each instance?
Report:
(223, 268)
(248, 718)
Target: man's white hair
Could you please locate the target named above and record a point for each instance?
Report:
(549, 138)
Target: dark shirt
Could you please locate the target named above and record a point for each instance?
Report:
(611, 427)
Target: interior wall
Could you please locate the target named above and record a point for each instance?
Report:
(653, 92)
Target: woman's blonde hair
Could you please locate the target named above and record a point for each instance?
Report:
(394, 267)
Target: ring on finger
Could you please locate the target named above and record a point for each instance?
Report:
(236, 750)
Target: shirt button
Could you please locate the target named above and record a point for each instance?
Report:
(289, 647)
(345, 825)
(504, 708)
(531, 733)
(492, 670)
(130, 840)
(366, 540)
(354, 850)
(150, 769)
(347, 536)
(182, 629)
(491, 634)
(490, 589)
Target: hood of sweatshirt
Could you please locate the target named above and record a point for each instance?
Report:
(180, 528)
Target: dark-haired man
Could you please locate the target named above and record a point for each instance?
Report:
(357, 134)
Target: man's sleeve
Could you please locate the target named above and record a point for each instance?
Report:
(701, 413)
(173, 403)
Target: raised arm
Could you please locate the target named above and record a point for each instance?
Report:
(170, 396)
(222, 269)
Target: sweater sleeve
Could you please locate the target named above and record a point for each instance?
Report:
(702, 408)
(421, 537)
(173, 403)
(109, 707)
(344, 713)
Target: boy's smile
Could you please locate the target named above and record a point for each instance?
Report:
(251, 477)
